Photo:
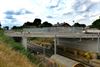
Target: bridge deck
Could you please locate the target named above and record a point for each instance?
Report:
(69, 32)
(50, 34)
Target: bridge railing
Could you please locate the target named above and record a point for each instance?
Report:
(54, 29)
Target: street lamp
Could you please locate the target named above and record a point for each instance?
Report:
(73, 26)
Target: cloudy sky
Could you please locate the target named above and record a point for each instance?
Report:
(16, 12)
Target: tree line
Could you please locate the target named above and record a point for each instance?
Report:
(37, 24)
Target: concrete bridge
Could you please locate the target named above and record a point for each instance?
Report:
(69, 36)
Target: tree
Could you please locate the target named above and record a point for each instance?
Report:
(0, 25)
(16, 27)
(37, 22)
(6, 28)
(66, 25)
(76, 25)
(46, 24)
(96, 24)
(82, 25)
(28, 24)
(79, 25)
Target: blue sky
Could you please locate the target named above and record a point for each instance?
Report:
(16, 12)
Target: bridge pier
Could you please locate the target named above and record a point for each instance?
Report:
(24, 42)
(55, 45)
(98, 43)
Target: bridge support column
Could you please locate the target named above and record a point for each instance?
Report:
(58, 43)
(98, 43)
(24, 42)
(55, 45)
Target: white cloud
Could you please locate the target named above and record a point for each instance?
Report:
(50, 10)
(95, 0)
(25, 18)
(14, 4)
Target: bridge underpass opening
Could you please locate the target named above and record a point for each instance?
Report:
(87, 44)
(44, 45)
(22, 40)
(17, 39)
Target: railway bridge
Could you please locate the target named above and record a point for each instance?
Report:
(67, 36)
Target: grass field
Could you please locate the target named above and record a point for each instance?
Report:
(13, 54)
(11, 58)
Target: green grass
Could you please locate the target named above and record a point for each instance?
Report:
(17, 47)
(13, 54)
